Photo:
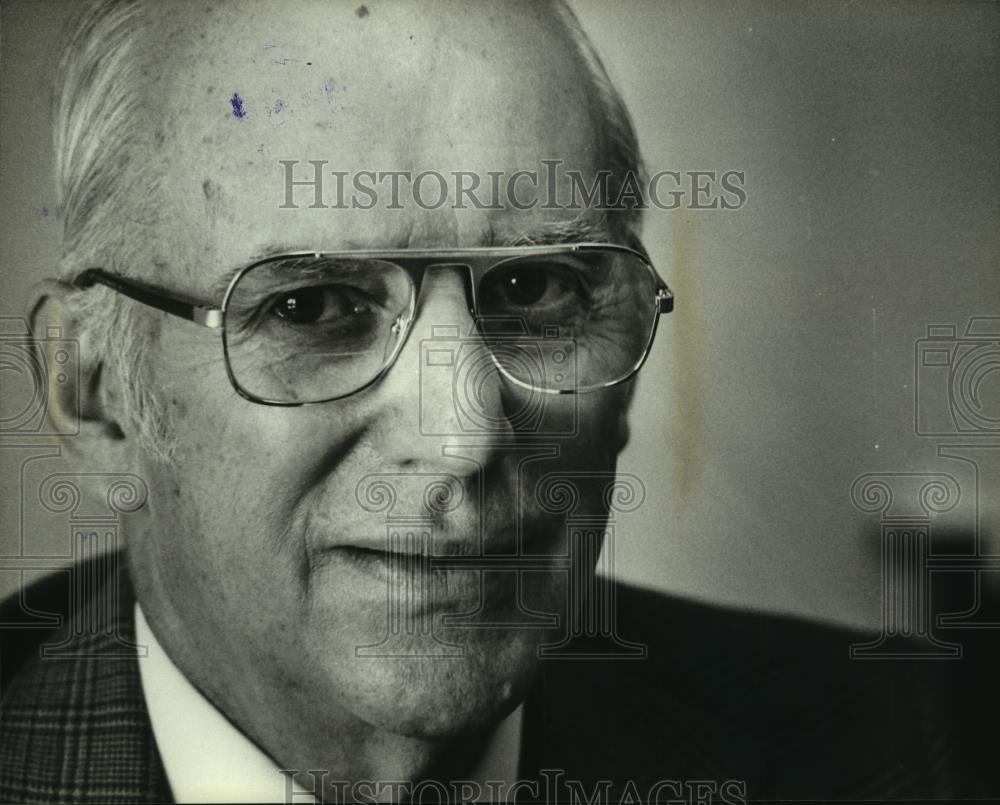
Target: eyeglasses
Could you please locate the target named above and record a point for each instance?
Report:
(311, 327)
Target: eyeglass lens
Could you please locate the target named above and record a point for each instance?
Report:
(310, 328)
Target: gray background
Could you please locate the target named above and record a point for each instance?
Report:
(869, 137)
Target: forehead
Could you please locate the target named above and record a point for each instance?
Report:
(438, 86)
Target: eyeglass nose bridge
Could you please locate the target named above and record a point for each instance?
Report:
(402, 325)
(468, 278)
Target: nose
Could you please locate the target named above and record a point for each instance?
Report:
(444, 387)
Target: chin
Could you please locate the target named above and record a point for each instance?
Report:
(431, 678)
(444, 696)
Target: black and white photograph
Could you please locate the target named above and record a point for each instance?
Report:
(527, 401)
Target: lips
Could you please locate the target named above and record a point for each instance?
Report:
(419, 542)
(415, 584)
(413, 553)
(379, 562)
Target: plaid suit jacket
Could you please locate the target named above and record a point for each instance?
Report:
(73, 721)
(745, 704)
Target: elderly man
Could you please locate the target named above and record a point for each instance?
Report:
(354, 577)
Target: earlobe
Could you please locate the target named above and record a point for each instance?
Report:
(78, 404)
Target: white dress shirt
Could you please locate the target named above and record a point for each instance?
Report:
(207, 759)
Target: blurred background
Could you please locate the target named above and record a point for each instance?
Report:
(797, 360)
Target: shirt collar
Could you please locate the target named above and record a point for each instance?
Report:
(207, 759)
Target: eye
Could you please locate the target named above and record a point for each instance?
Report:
(320, 303)
(536, 285)
(525, 287)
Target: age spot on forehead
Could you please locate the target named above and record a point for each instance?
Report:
(179, 407)
(210, 189)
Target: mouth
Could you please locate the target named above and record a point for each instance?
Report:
(419, 584)
(383, 562)
(419, 546)
(408, 558)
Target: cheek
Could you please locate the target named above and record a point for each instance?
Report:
(573, 481)
(243, 454)
(599, 427)
(227, 516)
(581, 423)
(242, 475)
(236, 473)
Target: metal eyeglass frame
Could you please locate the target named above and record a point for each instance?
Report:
(415, 262)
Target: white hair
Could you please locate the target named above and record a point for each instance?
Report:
(101, 157)
(96, 126)
(619, 143)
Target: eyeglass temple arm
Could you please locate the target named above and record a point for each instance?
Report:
(665, 297)
(204, 315)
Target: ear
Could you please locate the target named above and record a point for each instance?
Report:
(81, 404)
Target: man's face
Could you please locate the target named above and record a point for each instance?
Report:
(260, 568)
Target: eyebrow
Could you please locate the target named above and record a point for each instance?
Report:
(555, 233)
(272, 249)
